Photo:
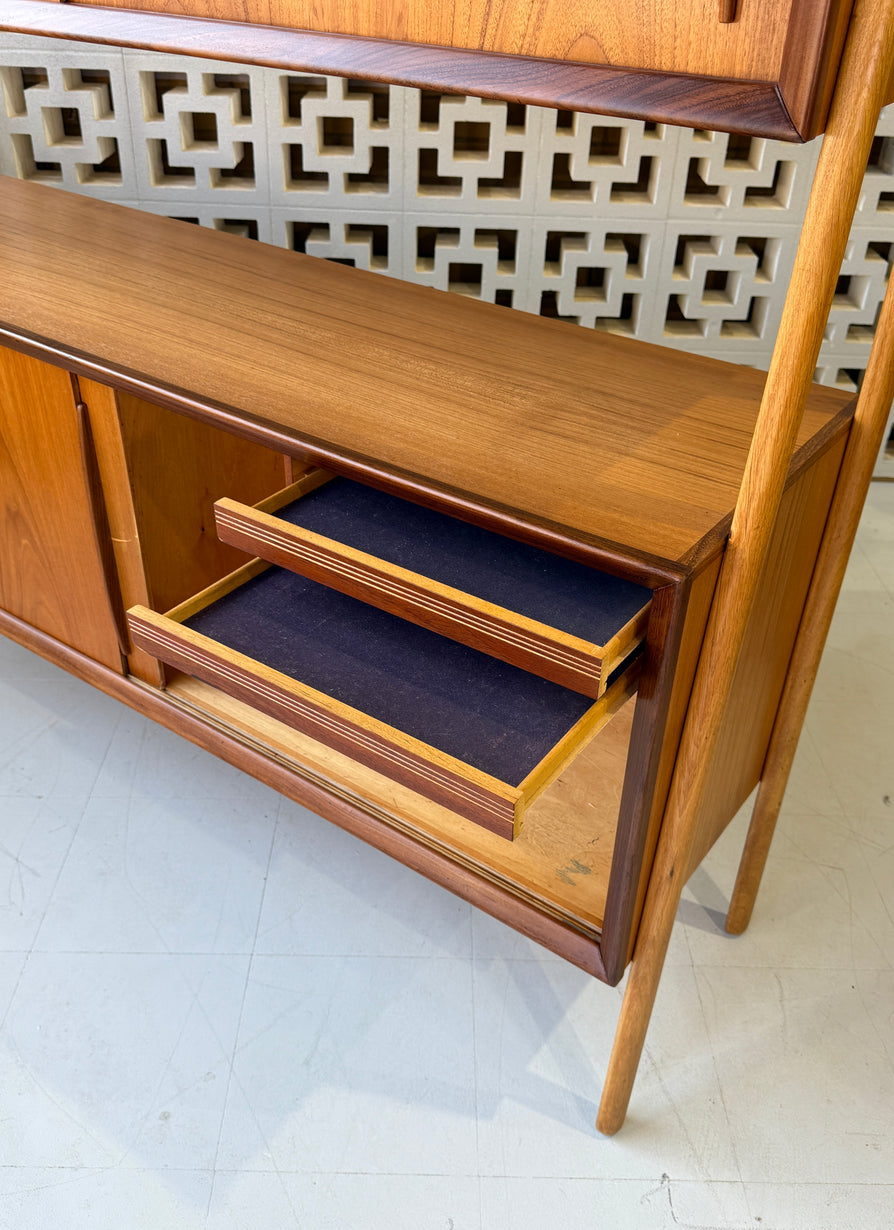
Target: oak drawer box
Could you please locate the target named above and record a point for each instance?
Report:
(477, 735)
(555, 617)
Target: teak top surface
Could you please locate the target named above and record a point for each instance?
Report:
(510, 419)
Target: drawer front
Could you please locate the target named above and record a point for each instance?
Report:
(532, 644)
(481, 796)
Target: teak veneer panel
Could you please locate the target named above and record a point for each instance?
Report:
(704, 102)
(685, 37)
(51, 575)
(769, 640)
(178, 467)
(607, 449)
(768, 71)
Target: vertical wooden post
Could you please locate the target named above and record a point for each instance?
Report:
(854, 478)
(863, 79)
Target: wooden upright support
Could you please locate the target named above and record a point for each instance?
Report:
(864, 442)
(865, 71)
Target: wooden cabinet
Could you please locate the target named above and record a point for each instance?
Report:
(512, 438)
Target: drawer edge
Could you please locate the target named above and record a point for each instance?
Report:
(567, 660)
(474, 794)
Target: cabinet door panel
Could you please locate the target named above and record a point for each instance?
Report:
(50, 572)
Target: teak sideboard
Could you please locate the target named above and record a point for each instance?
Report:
(531, 609)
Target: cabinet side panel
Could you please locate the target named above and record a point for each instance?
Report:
(178, 467)
(769, 639)
(50, 573)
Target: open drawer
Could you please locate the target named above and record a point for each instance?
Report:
(467, 731)
(558, 618)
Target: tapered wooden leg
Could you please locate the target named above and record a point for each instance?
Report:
(863, 446)
(639, 997)
(862, 83)
(757, 847)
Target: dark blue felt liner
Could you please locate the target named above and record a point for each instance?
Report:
(556, 591)
(484, 712)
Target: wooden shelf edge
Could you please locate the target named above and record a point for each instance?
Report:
(724, 104)
(804, 456)
(323, 799)
(649, 570)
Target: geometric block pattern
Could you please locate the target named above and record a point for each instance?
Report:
(481, 257)
(199, 130)
(677, 236)
(67, 123)
(719, 175)
(596, 276)
(334, 141)
(471, 155)
(723, 287)
(595, 166)
(351, 237)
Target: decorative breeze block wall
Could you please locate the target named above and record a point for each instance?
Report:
(675, 236)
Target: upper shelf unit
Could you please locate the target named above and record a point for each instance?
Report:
(763, 67)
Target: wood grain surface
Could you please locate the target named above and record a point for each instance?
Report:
(817, 28)
(51, 574)
(766, 649)
(611, 450)
(684, 37)
(724, 102)
(176, 468)
(677, 625)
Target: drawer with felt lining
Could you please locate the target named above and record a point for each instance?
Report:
(460, 727)
(553, 616)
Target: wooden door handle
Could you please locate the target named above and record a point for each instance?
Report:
(728, 10)
(102, 535)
